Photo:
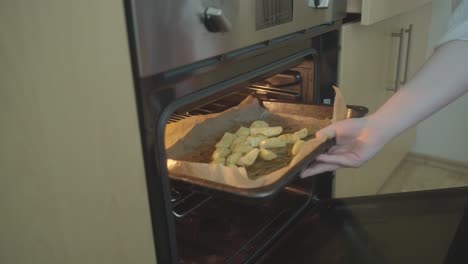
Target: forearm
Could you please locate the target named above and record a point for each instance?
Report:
(442, 79)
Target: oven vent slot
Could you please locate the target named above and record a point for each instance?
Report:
(287, 37)
(189, 69)
(243, 51)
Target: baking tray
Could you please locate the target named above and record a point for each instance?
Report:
(307, 110)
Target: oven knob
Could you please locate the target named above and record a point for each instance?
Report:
(215, 20)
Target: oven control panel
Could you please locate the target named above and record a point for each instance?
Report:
(270, 13)
(172, 34)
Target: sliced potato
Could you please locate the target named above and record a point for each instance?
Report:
(289, 138)
(242, 147)
(221, 152)
(267, 131)
(297, 147)
(302, 133)
(243, 131)
(233, 158)
(273, 143)
(266, 154)
(221, 161)
(254, 141)
(259, 123)
(238, 140)
(226, 141)
(249, 158)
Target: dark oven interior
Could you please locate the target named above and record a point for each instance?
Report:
(193, 225)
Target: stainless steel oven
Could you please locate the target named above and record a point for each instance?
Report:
(194, 57)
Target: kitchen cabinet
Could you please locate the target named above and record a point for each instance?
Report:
(373, 11)
(368, 72)
(72, 180)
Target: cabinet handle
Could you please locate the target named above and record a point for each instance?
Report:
(400, 47)
(408, 45)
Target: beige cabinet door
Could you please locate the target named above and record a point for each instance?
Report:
(366, 60)
(374, 11)
(368, 77)
(361, 64)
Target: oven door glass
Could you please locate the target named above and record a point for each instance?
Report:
(417, 227)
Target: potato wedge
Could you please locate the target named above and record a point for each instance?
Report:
(249, 158)
(226, 140)
(258, 124)
(273, 143)
(267, 131)
(266, 154)
(289, 138)
(297, 147)
(243, 131)
(242, 147)
(221, 161)
(233, 158)
(238, 140)
(302, 133)
(254, 141)
(221, 152)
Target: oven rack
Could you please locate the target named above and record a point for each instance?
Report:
(185, 202)
(260, 91)
(218, 106)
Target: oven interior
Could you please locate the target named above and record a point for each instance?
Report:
(214, 229)
(292, 85)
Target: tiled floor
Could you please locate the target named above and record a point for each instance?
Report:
(419, 172)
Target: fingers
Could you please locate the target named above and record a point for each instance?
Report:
(343, 160)
(327, 132)
(344, 130)
(350, 150)
(317, 169)
(338, 150)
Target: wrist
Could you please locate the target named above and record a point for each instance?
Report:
(378, 130)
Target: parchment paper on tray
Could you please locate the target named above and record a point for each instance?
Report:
(191, 142)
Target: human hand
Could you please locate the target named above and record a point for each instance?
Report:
(357, 140)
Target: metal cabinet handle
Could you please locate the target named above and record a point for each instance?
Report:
(400, 47)
(408, 45)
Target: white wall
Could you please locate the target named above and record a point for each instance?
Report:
(445, 134)
(72, 184)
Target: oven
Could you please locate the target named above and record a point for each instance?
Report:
(197, 57)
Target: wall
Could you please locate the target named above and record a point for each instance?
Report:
(444, 134)
(72, 185)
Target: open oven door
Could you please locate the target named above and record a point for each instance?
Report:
(415, 227)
